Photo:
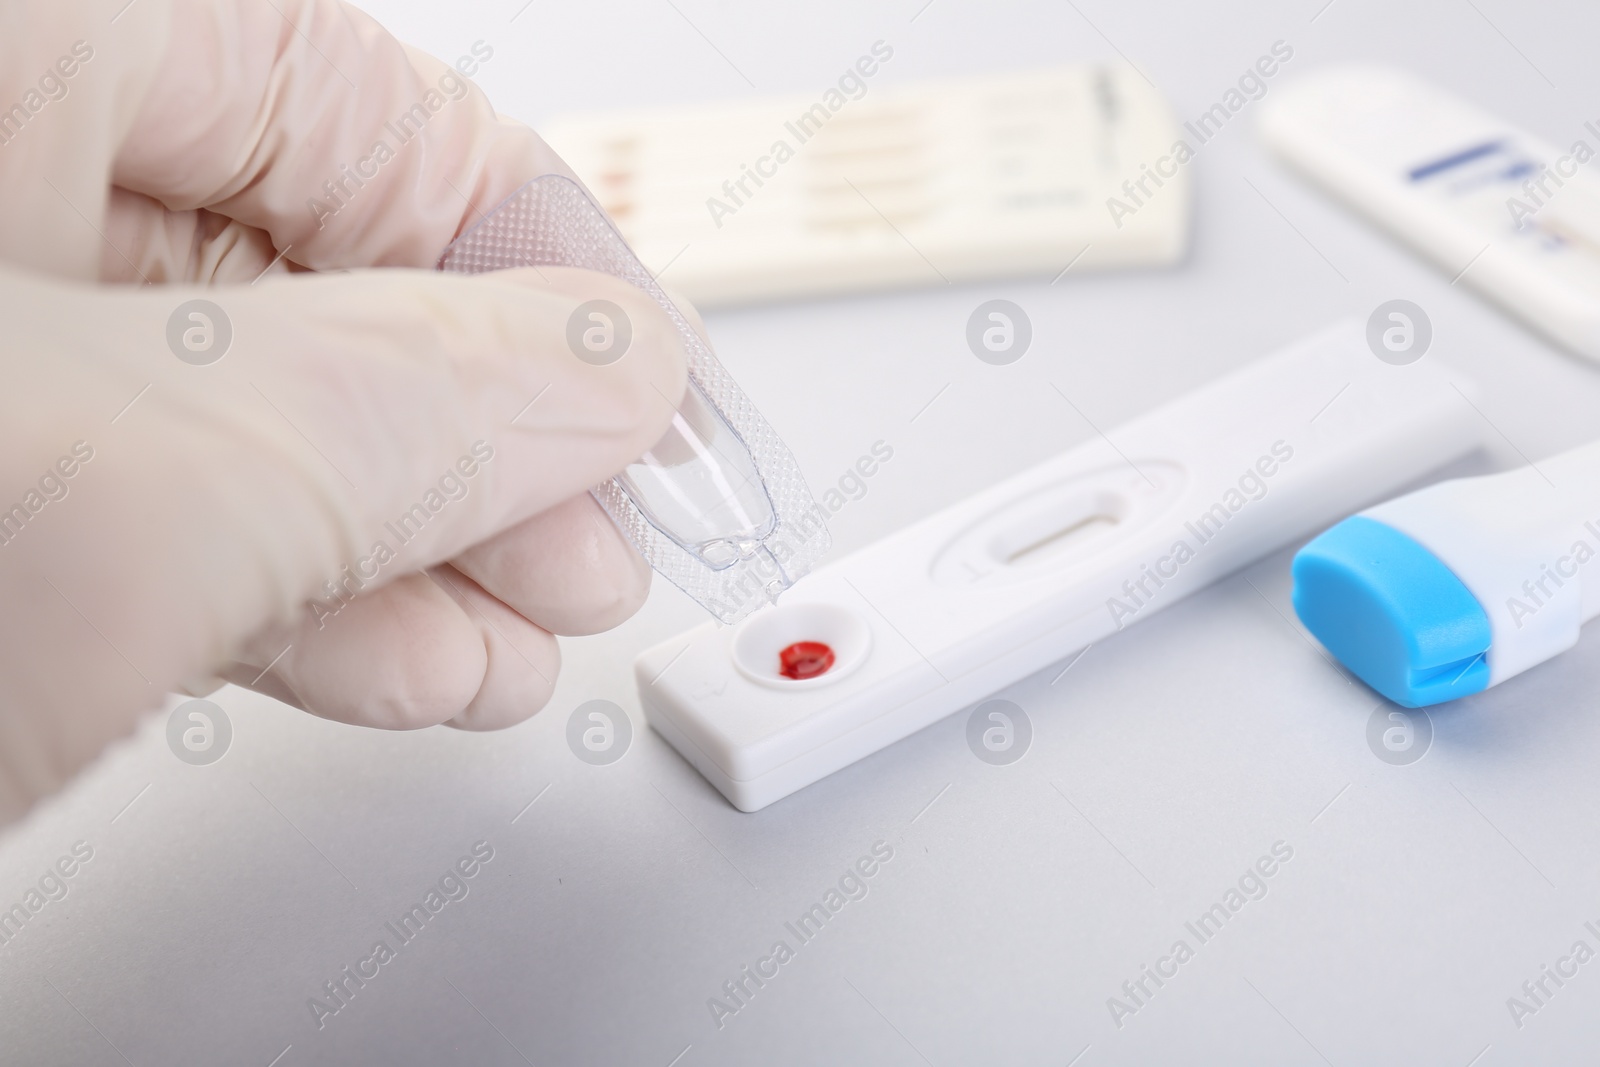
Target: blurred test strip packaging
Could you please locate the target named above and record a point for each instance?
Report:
(866, 185)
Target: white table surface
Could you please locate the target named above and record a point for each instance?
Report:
(1418, 899)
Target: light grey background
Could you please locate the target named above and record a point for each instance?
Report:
(1019, 897)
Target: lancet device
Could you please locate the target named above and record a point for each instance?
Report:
(1456, 587)
(866, 185)
(718, 506)
(947, 611)
(1513, 217)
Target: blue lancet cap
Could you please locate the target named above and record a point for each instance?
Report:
(1392, 613)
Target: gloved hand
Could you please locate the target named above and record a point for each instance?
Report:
(373, 504)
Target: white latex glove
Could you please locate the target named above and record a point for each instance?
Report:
(179, 521)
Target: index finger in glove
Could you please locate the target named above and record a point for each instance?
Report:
(301, 118)
(306, 119)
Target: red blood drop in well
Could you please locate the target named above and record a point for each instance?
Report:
(805, 659)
